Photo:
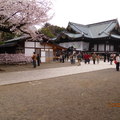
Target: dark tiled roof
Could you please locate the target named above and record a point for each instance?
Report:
(96, 30)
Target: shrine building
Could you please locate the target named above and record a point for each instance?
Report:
(98, 37)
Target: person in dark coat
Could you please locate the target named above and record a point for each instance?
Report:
(105, 55)
(63, 58)
(117, 62)
(38, 60)
(108, 57)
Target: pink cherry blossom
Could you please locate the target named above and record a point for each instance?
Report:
(21, 15)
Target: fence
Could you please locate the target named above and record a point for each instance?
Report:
(14, 59)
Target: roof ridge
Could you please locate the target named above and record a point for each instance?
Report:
(113, 20)
(77, 24)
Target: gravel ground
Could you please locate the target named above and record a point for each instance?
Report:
(25, 67)
(84, 96)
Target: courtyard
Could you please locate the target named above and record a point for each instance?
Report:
(87, 95)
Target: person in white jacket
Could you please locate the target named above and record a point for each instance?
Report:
(117, 62)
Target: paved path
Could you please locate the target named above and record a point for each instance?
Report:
(23, 76)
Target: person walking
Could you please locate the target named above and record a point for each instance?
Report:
(98, 58)
(105, 55)
(34, 57)
(38, 60)
(79, 58)
(63, 58)
(72, 59)
(117, 62)
(94, 57)
(108, 56)
(88, 56)
(85, 57)
(111, 58)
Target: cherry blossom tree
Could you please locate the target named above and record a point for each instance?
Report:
(21, 15)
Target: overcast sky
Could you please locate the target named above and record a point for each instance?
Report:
(84, 11)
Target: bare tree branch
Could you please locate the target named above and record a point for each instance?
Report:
(23, 31)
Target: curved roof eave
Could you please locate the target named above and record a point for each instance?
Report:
(115, 36)
(71, 35)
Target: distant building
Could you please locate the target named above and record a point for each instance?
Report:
(46, 50)
(98, 37)
(26, 46)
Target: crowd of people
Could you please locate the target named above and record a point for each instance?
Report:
(88, 57)
(82, 56)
